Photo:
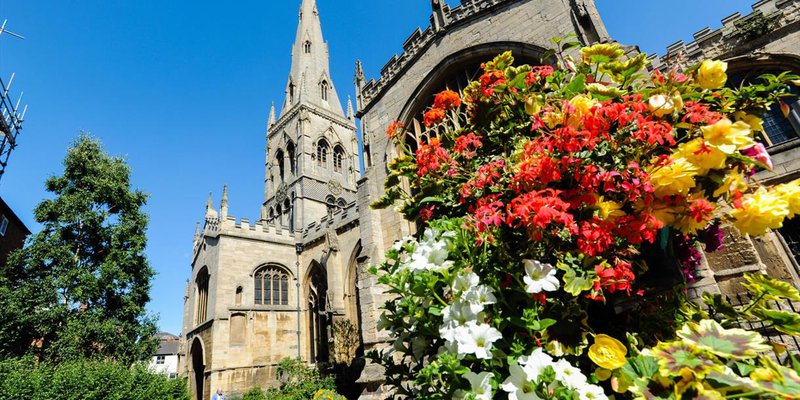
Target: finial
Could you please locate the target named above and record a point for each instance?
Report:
(196, 234)
(350, 113)
(223, 205)
(210, 212)
(271, 115)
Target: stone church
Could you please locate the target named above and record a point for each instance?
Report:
(278, 286)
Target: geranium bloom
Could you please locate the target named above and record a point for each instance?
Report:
(394, 129)
(728, 136)
(595, 236)
(480, 384)
(447, 100)
(433, 116)
(761, 211)
(539, 277)
(431, 157)
(467, 144)
(477, 340)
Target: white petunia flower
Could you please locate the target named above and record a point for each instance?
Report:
(398, 245)
(481, 295)
(520, 385)
(459, 313)
(481, 385)
(592, 392)
(535, 363)
(568, 375)
(477, 340)
(539, 277)
(463, 282)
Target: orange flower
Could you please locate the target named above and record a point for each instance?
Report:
(394, 129)
(447, 100)
(433, 117)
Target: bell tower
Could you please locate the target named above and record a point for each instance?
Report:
(312, 150)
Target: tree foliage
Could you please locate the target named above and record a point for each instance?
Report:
(78, 288)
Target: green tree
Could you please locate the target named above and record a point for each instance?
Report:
(78, 288)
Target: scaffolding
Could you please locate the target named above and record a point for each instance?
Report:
(11, 117)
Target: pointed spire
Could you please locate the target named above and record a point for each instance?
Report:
(350, 114)
(223, 205)
(310, 78)
(196, 234)
(210, 212)
(360, 81)
(271, 120)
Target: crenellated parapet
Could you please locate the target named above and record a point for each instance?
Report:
(342, 219)
(420, 40)
(738, 35)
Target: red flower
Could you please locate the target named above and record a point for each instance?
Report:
(537, 74)
(490, 80)
(431, 157)
(595, 236)
(426, 213)
(394, 129)
(447, 100)
(488, 213)
(433, 116)
(467, 144)
(698, 113)
(616, 278)
(538, 209)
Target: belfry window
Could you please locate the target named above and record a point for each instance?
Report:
(281, 167)
(292, 161)
(322, 153)
(271, 286)
(338, 158)
(307, 47)
(324, 90)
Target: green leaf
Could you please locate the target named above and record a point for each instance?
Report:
(574, 283)
(772, 288)
(640, 367)
(577, 85)
(784, 321)
(728, 343)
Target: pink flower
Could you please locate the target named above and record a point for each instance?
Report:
(758, 153)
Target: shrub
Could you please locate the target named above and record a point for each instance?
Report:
(86, 380)
(298, 382)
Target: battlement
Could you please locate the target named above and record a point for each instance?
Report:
(339, 218)
(736, 33)
(419, 40)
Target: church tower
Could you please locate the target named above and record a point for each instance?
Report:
(312, 151)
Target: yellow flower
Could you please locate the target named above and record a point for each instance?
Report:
(552, 119)
(532, 106)
(791, 193)
(608, 352)
(711, 74)
(756, 123)
(702, 155)
(675, 178)
(583, 104)
(728, 136)
(608, 210)
(734, 180)
(601, 53)
(761, 211)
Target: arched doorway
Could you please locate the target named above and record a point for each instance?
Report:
(198, 369)
(318, 319)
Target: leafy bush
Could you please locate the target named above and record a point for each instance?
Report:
(298, 382)
(85, 380)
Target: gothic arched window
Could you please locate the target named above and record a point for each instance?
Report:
(307, 47)
(777, 127)
(271, 286)
(291, 156)
(201, 300)
(324, 90)
(338, 158)
(280, 162)
(322, 153)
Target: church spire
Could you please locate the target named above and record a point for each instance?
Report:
(271, 120)
(310, 79)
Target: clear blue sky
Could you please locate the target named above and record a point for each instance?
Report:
(181, 89)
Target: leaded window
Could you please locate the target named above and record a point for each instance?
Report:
(271, 286)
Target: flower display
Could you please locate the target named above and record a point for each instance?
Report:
(561, 210)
